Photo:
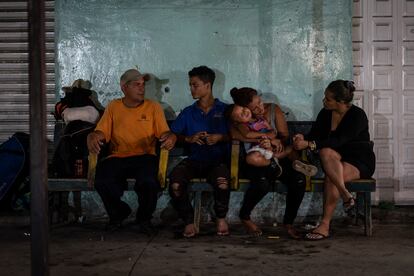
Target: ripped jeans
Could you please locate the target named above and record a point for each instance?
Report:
(217, 174)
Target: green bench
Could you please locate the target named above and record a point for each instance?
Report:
(362, 187)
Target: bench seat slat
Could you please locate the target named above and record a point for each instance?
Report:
(200, 184)
(67, 184)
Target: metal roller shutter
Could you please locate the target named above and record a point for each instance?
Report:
(14, 58)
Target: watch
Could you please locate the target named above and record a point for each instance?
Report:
(312, 145)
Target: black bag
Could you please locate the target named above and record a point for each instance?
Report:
(75, 97)
(14, 167)
(71, 154)
(78, 97)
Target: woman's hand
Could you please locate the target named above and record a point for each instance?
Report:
(265, 143)
(277, 145)
(299, 142)
(271, 135)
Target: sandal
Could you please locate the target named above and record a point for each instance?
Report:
(252, 229)
(256, 233)
(315, 236)
(223, 233)
(349, 204)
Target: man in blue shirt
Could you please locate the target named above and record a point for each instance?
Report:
(204, 127)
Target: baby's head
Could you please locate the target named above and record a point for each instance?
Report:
(239, 114)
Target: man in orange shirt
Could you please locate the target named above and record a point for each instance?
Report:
(131, 125)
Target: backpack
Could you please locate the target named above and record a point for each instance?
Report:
(75, 97)
(14, 167)
(71, 152)
(70, 159)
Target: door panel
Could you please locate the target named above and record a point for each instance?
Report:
(383, 60)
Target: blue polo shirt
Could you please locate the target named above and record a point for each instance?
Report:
(192, 120)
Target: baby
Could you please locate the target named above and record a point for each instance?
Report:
(257, 154)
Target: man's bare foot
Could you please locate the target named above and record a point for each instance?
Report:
(251, 228)
(222, 227)
(292, 232)
(190, 231)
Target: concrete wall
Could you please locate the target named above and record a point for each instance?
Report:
(288, 50)
(269, 210)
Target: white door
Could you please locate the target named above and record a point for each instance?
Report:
(383, 58)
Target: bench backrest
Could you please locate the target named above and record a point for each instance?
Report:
(164, 155)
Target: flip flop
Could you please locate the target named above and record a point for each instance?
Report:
(349, 204)
(315, 236)
(223, 233)
(255, 234)
(189, 236)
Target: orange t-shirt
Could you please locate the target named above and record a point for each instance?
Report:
(132, 131)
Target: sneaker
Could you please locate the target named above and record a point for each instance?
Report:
(115, 222)
(304, 167)
(274, 164)
(113, 226)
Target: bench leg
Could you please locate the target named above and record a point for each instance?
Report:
(357, 204)
(368, 214)
(63, 214)
(77, 200)
(197, 210)
(53, 203)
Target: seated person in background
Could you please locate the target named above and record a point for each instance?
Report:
(340, 136)
(203, 126)
(131, 125)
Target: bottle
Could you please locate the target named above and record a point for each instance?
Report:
(79, 168)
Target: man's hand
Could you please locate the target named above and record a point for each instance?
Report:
(168, 140)
(94, 141)
(198, 138)
(212, 139)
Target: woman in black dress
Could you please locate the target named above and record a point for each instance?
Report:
(340, 135)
